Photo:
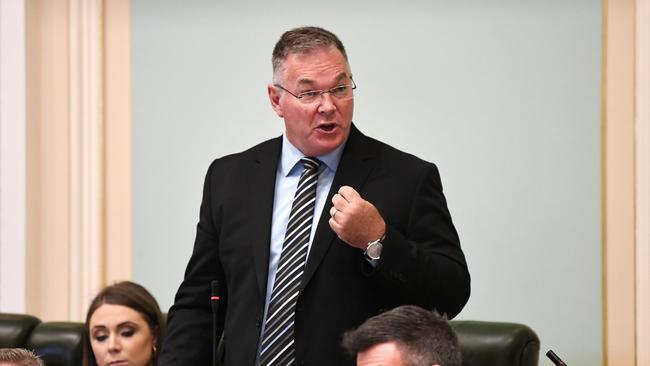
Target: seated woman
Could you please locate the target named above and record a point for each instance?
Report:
(124, 326)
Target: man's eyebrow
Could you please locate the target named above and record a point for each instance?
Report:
(305, 81)
(341, 77)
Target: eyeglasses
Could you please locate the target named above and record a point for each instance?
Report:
(339, 92)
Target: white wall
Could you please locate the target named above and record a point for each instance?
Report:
(12, 157)
(503, 95)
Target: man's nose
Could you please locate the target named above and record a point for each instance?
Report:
(326, 104)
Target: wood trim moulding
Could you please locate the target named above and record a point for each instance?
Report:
(619, 306)
(117, 118)
(48, 163)
(643, 181)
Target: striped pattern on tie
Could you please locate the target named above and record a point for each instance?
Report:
(277, 341)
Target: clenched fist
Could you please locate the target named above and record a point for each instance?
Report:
(355, 220)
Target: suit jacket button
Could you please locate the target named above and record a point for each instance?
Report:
(258, 322)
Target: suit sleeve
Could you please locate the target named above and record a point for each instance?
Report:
(423, 263)
(189, 337)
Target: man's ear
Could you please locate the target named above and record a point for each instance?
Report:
(274, 97)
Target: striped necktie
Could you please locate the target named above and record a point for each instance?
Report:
(277, 342)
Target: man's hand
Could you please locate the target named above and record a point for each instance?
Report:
(355, 220)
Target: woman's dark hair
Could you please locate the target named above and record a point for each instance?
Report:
(133, 296)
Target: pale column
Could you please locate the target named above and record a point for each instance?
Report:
(48, 162)
(86, 153)
(618, 184)
(117, 117)
(79, 226)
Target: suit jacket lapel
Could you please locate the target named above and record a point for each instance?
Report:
(261, 188)
(356, 164)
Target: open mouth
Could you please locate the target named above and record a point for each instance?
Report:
(327, 127)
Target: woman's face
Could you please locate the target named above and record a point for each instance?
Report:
(120, 336)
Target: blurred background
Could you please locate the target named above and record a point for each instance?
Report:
(536, 113)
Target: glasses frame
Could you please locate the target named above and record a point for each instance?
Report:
(320, 93)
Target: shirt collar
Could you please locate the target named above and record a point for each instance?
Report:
(291, 157)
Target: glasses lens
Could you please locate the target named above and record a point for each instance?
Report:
(341, 91)
(310, 96)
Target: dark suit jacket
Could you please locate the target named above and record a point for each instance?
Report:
(422, 262)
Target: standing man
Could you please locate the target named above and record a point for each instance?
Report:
(311, 233)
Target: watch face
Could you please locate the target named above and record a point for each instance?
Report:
(374, 250)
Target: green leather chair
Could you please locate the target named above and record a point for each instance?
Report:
(15, 329)
(481, 343)
(57, 343)
(495, 343)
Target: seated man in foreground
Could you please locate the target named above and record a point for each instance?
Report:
(405, 336)
(19, 357)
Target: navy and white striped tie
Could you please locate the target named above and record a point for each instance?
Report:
(278, 340)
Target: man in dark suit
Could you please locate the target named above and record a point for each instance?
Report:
(291, 285)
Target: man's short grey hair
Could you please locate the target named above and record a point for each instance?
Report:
(20, 357)
(423, 337)
(302, 40)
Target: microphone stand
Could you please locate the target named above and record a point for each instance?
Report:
(214, 301)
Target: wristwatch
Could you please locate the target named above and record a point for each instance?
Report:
(374, 248)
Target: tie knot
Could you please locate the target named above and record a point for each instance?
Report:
(310, 163)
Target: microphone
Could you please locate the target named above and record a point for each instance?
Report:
(214, 296)
(214, 301)
(556, 360)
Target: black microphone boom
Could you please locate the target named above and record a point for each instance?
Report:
(556, 360)
(214, 301)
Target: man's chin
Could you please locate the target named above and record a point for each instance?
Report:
(324, 147)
